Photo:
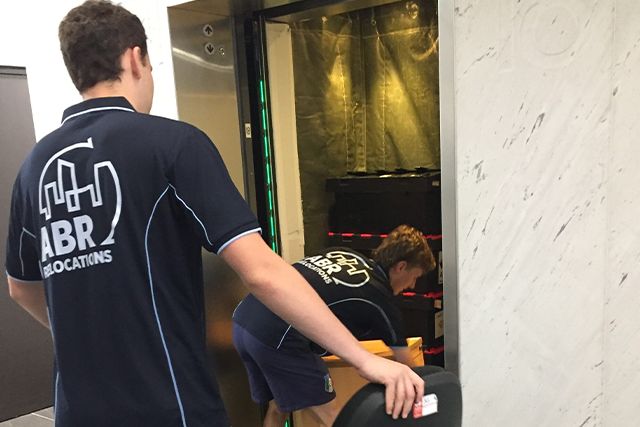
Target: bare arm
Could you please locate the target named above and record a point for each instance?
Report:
(31, 297)
(281, 288)
(403, 355)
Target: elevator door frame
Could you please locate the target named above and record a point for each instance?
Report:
(446, 13)
(26, 361)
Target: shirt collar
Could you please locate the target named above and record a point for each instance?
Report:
(97, 104)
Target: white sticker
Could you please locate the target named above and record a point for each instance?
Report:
(247, 130)
(428, 406)
(439, 324)
(437, 304)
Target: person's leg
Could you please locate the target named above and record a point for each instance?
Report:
(295, 377)
(274, 417)
(260, 391)
(325, 414)
(298, 381)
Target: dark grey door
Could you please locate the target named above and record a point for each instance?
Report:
(25, 345)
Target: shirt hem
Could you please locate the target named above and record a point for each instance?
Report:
(233, 239)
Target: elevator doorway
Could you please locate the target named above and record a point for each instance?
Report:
(347, 106)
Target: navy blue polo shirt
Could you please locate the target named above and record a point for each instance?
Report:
(354, 287)
(111, 210)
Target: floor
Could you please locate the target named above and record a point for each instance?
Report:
(42, 418)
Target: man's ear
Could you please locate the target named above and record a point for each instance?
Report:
(400, 266)
(136, 61)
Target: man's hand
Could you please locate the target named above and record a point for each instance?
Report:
(403, 386)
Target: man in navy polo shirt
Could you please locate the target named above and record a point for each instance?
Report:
(111, 210)
(284, 367)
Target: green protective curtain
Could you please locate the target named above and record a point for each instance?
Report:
(366, 89)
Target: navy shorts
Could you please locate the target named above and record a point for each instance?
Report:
(296, 379)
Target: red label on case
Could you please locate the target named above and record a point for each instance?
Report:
(428, 406)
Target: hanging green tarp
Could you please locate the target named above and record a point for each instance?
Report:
(366, 88)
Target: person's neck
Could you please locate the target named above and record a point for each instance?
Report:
(106, 90)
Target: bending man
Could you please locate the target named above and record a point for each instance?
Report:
(285, 368)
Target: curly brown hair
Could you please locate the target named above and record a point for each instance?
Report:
(93, 37)
(405, 243)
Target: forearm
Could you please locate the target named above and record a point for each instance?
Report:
(403, 355)
(30, 296)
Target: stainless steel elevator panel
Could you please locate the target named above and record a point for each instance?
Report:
(206, 82)
(26, 355)
(205, 78)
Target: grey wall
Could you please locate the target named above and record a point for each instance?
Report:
(25, 345)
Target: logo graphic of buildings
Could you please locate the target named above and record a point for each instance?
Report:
(54, 193)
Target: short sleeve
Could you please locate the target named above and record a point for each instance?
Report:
(22, 255)
(201, 183)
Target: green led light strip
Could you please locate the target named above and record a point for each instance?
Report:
(267, 157)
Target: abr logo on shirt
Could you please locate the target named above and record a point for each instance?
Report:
(352, 269)
(81, 202)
